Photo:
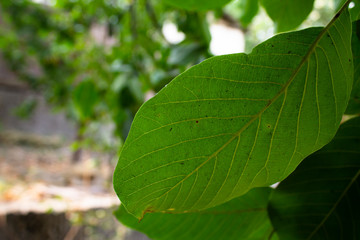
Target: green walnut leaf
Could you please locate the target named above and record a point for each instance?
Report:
(320, 199)
(237, 122)
(197, 4)
(241, 218)
(354, 102)
(287, 14)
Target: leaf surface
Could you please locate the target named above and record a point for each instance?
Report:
(241, 218)
(354, 102)
(197, 4)
(237, 122)
(320, 199)
(287, 14)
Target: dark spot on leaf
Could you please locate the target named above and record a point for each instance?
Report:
(328, 35)
(289, 52)
(272, 45)
(182, 163)
(197, 121)
(337, 15)
(268, 126)
(349, 60)
(227, 91)
(170, 129)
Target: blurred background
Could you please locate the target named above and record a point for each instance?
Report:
(73, 73)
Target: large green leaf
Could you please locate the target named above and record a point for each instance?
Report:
(354, 103)
(320, 200)
(242, 218)
(237, 122)
(197, 4)
(287, 14)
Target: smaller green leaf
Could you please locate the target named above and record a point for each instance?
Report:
(354, 102)
(287, 14)
(244, 10)
(250, 9)
(320, 200)
(198, 4)
(241, 218)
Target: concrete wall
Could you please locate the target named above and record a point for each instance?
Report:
(43, 121)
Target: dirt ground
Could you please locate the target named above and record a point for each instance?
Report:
(38, 177)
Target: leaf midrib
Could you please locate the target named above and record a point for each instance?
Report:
(271, 101)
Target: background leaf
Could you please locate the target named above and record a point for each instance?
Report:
(243, 10)
(237, 122)
(354, 102)
(242, 218)
(287, 14)
(84, 98)
(198, 4)
(320, 200)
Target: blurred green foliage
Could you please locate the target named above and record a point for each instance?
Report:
(25, 109)
(98, 60)
(244, 11)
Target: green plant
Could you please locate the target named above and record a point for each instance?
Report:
(201, 154)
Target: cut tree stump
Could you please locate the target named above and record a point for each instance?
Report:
(35, 226)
